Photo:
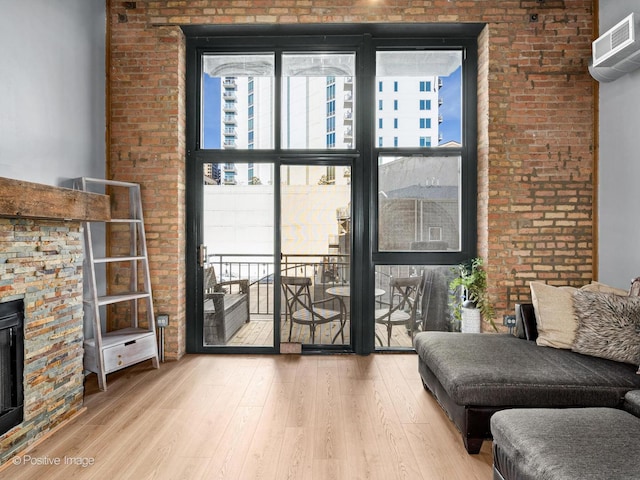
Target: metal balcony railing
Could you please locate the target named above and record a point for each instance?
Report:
(325, 270)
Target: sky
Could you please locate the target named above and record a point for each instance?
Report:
(211, 112)
(451, 108)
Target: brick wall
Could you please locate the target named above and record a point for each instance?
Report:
(536, 117)
(41, 263)
(147, 124)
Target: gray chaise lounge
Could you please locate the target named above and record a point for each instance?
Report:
(475, 375)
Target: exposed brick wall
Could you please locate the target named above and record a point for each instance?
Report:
(540, 159)
(41, 263)
(147, 123)
(484, 126)
(536, 117)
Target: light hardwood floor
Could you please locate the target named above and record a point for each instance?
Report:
(261, 417)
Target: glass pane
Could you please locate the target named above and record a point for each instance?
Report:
(318, 91)
(237, 101)
(416, 298)
(316, 249)
(238, 277)
(418, 99)
(418, 203)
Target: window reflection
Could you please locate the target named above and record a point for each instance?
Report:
(237, 101)
(318, 93)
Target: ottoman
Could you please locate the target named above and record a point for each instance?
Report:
(566, 444)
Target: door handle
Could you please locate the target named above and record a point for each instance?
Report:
(202, 255)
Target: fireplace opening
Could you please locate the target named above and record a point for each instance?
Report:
(11, 364)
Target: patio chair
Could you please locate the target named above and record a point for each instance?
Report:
(301, 309)
(401, 307)
(433, 306)
(226, 307)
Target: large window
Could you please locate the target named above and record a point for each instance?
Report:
(237, 102)
(237, 99)
(392, 105)
(318, 98)
(420, 188)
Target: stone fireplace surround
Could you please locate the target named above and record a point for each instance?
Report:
(41, 257)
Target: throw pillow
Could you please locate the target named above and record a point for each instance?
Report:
(608, 326)
(603, 288)
(555, 319)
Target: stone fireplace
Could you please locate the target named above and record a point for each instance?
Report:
(11, 364)
(41, 257)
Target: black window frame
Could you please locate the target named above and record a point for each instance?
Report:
(467, 152)
(364, 39)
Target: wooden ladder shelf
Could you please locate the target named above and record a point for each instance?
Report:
(109, 351)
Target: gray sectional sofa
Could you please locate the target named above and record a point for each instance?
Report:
(473, 376)
(568, 444)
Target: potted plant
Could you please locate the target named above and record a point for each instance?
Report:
(469, 298)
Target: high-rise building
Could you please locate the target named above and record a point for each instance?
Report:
(318, 113)
(407, 112)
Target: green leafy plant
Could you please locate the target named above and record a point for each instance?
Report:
(469, 289)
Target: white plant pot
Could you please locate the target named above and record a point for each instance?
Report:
(471, 319)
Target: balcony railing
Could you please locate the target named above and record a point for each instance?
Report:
(325, 271)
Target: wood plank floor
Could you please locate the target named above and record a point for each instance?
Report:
(247, 417)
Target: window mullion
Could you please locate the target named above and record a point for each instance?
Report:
(277, 102)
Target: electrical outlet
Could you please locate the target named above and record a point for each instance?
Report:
(163, 320)
(509, 321)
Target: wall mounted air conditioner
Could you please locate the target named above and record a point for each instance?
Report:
(617, 51)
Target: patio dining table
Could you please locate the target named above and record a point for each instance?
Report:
(343, 292)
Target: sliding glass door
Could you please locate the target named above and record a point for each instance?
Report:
(240, 284)
(316, 254)
(237, 255)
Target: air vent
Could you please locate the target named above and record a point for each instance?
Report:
(617, 44)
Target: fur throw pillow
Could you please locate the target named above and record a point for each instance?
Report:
(608, 326)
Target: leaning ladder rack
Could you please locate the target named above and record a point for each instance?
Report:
(109, 351)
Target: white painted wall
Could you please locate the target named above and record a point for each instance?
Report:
(52, 106)
(619, 165)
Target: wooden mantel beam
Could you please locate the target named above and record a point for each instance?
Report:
(20, 199)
